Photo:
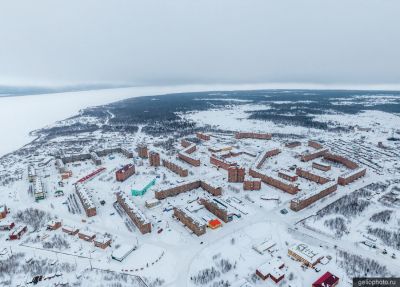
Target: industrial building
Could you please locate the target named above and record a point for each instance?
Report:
(195, 225)
(134, 213)
(125, 172)
(213, 190)
(86, 200)
(312, 196)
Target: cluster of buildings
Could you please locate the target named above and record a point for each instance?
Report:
(100, 241)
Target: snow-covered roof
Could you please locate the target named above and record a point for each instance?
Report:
(272, 267)
(133, 208)
(352, 172)
(316, 189)
(85, 196)
(305, 251)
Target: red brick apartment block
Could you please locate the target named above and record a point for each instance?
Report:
(311, 176)
(134, 213)
(154, 158)
(86, 235)
(287, 175)
(86, 199)
(198, 228)
(189, 159)
(236, 174)
(312, 196)
(102, 242)
(249, 135)
(341, 159)
(125, 172)
(220, 162)
(252, 184)
(217, 210)
(213, 190)
(315, 144)
(266, 154)
(351, 176)
(313, 155)
(143, 151)
(321, 166)
(286, 187)
(203, 137)
(185, 143)
(183, 172)
(293, 144)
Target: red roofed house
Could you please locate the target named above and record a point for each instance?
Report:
(326, 280)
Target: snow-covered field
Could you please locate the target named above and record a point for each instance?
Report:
(172, 255)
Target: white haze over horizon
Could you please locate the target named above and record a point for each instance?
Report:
(351, 43)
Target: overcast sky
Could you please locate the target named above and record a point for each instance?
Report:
(196, 42)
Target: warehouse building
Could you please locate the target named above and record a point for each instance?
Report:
(134, 213)
(312, 196)
(125, 172)
(86, 200)
(195, 225)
